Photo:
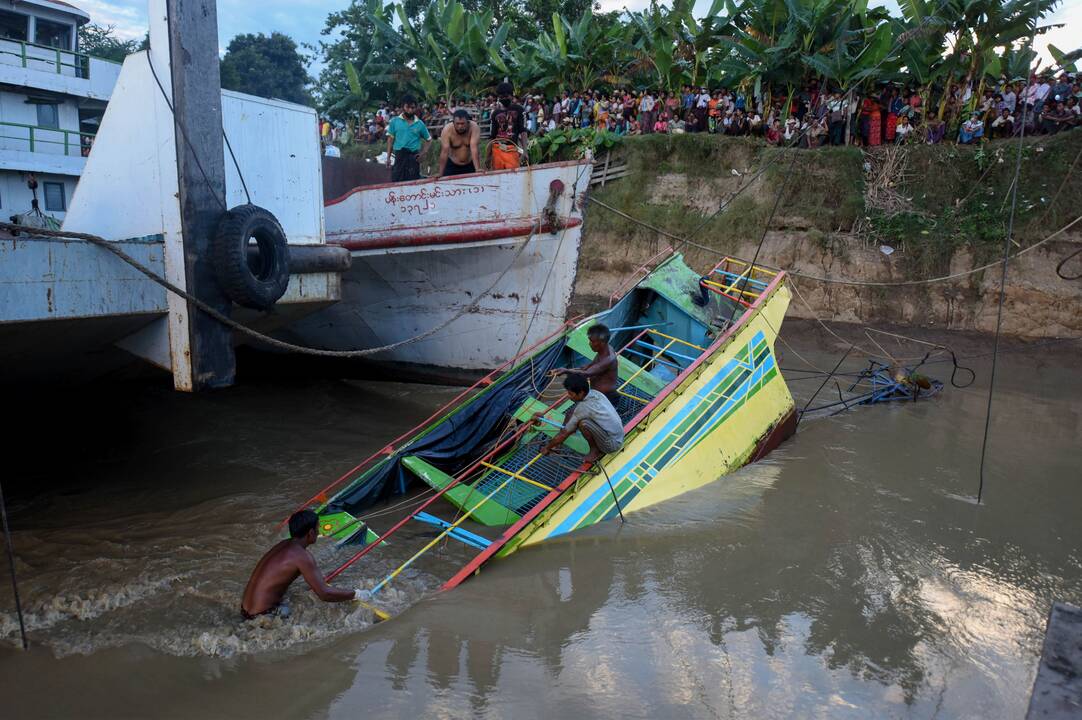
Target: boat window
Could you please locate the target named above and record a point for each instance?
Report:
(55, 198)
(48, 116)
(13, 26)
(53, 34)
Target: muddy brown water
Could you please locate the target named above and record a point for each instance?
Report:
(849, 575)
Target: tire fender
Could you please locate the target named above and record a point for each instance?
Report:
(254, 280)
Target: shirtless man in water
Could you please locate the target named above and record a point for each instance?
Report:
(277, 570)
(458, 146)
(602, 370)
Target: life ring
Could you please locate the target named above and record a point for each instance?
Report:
(254, 276)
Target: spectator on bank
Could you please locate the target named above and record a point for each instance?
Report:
(1057, 118)
(773, 133)
(935, 131)
(1003, 125)
(646, 112)
(972, 130)
(903, 130)
(1010, 98)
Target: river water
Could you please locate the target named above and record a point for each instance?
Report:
(849, 575)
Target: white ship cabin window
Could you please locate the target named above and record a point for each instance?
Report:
(48, 116)
(55, 199)
(13, 26)
(52, 34)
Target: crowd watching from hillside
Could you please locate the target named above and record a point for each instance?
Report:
(816, 115)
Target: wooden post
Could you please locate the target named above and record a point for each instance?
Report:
(197, 106)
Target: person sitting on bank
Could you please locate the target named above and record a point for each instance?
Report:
(282, 564)
(407, 139)
(603, 369)
(458, 146)
(593, 416)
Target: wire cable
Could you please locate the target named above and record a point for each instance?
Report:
(1008, 238)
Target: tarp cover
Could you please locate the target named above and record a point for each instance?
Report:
(456, 442)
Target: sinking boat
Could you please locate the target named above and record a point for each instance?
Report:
(458, 273)
(701, 395)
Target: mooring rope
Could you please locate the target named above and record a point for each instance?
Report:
(845, 281)
(37, 233)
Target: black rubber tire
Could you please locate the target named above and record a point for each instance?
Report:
(258, 283)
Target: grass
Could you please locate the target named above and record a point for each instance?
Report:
(958, 196)
(824, 190)
(961, 200)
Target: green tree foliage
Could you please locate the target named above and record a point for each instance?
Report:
(101, 41)
(269, 67)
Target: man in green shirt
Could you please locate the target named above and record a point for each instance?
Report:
(407, 137)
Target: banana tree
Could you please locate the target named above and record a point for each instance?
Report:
(449, 48)
(574, 55)
(980, 27)
(658, 32)
(1065, 61)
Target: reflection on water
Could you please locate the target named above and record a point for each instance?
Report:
(850, 575)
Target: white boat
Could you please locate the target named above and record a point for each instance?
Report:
(479, 266)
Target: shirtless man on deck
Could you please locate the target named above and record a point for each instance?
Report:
(458, 146)
(602, 370)
(277, 570)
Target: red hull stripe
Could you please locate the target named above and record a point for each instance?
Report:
(448, 235)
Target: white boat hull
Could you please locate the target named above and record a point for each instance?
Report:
(422, 269)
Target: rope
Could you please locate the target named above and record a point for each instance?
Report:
(766, 229)
(826, 379)
(1003, 274)
(904, 283)
(249, 332)
(1064, 261)
(184, 134)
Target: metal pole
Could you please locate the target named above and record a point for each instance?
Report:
(11, 561)
(825, 381)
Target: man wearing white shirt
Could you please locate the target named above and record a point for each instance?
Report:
(1010, 99)
(1043, 89)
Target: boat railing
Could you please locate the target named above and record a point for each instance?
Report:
(477, 474)
(738, 280)
(392, 447)
(459, 478)
(655, 354)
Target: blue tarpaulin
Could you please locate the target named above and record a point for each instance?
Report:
(455, 442)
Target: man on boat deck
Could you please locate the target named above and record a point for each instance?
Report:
(277, 570)
(593, 416)
(508, 130)
(408, 139)
(602, 370)
(458, 146)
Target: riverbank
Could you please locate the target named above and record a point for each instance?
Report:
(886, 216)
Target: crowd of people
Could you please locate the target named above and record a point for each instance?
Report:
(815, 115)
